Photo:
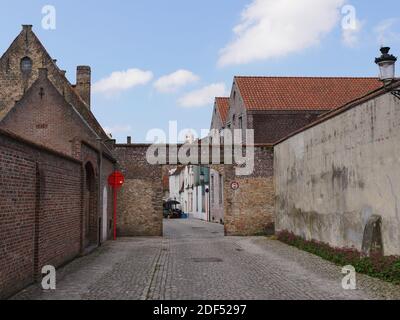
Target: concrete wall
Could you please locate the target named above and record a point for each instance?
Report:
(331, 178)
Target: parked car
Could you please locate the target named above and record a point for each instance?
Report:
(172, 210)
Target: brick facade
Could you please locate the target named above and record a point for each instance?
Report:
(63, 202)
(270, 127)
(141, 198)
(40, 210)
(249, 210)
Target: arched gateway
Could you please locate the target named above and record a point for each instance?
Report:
(248, 208)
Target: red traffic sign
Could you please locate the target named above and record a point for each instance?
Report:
(235, 185)
(116, 180)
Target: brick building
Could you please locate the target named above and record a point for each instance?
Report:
(277, 106)
(54, 158)
(273, 107)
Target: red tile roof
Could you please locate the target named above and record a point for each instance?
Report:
(302, 93)
(222, 107)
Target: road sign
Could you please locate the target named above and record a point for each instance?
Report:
(235, 185)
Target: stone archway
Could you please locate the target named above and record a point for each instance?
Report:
(90, 234)
(247, 209)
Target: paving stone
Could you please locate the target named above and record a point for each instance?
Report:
(194, 261)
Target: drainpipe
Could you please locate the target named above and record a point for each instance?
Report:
(99, 205)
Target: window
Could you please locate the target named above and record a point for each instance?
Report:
(26, 65)
(234, 95)
(233, 120)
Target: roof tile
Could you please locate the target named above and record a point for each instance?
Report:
(222, 107)
(302, 93)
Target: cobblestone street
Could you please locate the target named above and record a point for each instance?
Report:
(195, 261)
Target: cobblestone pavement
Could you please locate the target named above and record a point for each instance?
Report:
(195, 261)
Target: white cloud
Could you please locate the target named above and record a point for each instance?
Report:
(384, 32)
(204, 96)
(351, 36)
(122, 80)
(118, 129)
(271, 28)
(175, 81)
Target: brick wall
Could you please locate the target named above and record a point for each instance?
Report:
(271, 127)
(40, 211)
(217, 193)
(44, 116)
(140, 199)
(14, 83)
(249, 210)
(48, 119)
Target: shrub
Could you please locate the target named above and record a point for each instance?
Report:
(376, 265)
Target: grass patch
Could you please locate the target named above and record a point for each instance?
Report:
(377, 266)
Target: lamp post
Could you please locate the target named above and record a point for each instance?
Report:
(387, 69)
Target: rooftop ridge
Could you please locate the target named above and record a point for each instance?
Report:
(308, 77)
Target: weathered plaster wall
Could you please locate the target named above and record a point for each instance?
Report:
(331, 178)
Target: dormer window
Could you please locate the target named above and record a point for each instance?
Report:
(26, 65)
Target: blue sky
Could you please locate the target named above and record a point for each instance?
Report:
(144, 40)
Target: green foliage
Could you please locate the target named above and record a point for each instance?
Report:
(378, 266)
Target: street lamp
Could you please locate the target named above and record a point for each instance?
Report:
(387, 69)
(386, 63)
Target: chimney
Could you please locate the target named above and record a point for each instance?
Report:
(83, 83)
(26, 27)
(129, 140)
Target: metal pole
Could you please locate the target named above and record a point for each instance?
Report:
(115, 213)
